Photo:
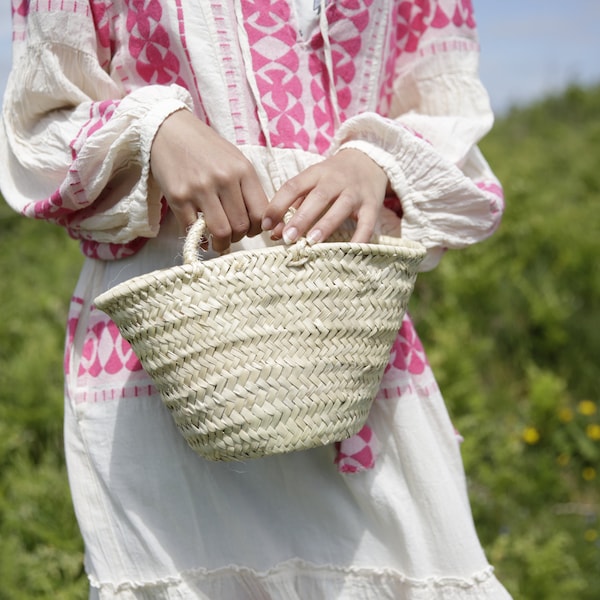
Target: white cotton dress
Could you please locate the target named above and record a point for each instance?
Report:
(383, 516)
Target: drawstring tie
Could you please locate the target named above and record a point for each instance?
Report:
(358, 452)
(263, 119)
(333, 97)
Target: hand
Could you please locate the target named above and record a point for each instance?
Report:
(199, 171)
(348, 184)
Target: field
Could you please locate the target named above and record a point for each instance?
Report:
(511, 327)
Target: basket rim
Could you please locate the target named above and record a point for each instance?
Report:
(385, 246)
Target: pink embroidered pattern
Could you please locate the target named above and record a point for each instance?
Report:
(412, 22)
(150, 45)
(20, 7)
(72, 320)
(463, 14)
(347, 21)
(407, 352)
(100, 114)
(107, 359)
(102, 15)
(276, 63)
(70, 197)
(356, 453)
(100, 251)
(407, 360)
(20, 10)
(105, 351)
(51, 209)
(278, 56)
(347, 45)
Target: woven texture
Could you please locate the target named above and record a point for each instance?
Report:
(268, 351)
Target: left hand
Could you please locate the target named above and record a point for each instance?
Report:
(347, 184)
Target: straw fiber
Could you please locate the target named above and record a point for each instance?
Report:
(268, 351)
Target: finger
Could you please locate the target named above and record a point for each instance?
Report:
(277, 232)
(217, 223)
(234, 207)
(288, 194)
(365, 226)
(255, 201)
(344, 207)
(316, 203)
(185, 215)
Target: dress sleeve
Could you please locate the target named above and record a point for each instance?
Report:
(438, 111)
(74, 147)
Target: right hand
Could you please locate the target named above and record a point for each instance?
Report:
(199, 171)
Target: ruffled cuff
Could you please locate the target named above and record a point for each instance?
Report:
(138, 213)
(441, 206)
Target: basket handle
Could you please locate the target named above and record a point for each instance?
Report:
(194, 238)
(299, 250)
(196, 235)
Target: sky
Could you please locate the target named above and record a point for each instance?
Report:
(532, 48)
(529, 48)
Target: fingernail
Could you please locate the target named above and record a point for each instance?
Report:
(267, 224)
(290, 235)
(314, 236)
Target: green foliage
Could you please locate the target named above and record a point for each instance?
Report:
(511, 330)
(511, 327)
(40, 548)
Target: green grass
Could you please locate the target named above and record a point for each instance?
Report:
(511, 327)
(40, 548)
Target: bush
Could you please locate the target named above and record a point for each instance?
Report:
(511, 327)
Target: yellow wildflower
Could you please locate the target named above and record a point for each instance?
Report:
(563, 459)
(587, 408)
(531, 435)
(565, 414)
(589, 473)
(590, 535)
(593, 431)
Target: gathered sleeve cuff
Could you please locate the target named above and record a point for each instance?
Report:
(74, 147)
(448, 194)
(120, 200)
(441, 206)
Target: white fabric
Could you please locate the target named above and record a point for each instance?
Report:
(307, 13)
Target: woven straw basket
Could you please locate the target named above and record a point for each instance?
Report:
(267, 351)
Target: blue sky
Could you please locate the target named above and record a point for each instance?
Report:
(529, 47)
(532, 47)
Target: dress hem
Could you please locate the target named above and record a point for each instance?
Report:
(288, 571)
